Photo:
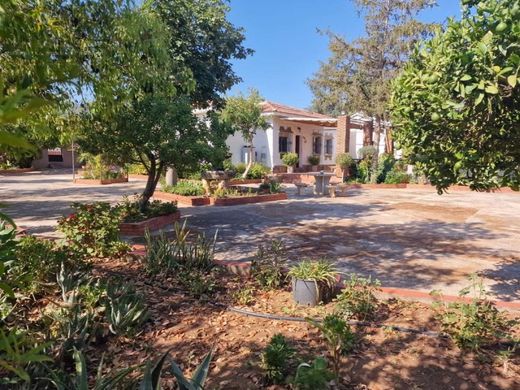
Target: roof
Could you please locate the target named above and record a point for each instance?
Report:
(268, 106)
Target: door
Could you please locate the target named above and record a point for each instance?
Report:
(297, 148)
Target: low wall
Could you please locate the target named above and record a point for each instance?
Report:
(234, 201)
(156, 223)
(101, 181)
(15, 171)
(189, 200)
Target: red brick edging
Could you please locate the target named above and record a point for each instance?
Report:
(101, 181)
(189, 200)
(244, 181)
(139, 228)
(234, 201)
(15, 171)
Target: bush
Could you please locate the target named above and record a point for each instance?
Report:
(290, 159)
(385, 164)
(124, 308)
(240, 168)
(367, 152)
(258, 171)
(93, 229)
(185, 188)
(313, 377)
(267, 268)
(475, 324)
(131, 212)
(37, 261)
(397, 177)
(99, 167)
(364, 171)
(244, 296)
(275, 359)
(358, 297)
(136, 169)
(344, 160)
(314, 159)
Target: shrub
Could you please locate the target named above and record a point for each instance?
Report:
(358, 297)
(240, 168)
(290, 159)
(244, 296)
(313, 377)
(258, 171)
(136, 169)
(472, 325)
(267, 268)
(197, 283)
(337, 336)
(367, 152)
(99, 167)
(397, 177)
(130, 210)
(344, 160)
(92, 229)
(185, 188)
(314, 159)
(275, 359)
(385, 164)
(37, 261)
(364, 171)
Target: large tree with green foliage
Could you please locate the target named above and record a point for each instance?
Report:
(456, 106)
(243, 114)
(357, 76)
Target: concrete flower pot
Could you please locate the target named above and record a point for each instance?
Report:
(306, 292)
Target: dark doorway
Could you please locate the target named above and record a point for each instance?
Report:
(297, 149)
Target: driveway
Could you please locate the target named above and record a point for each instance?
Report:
(406, 238)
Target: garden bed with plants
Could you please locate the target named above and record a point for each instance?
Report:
(98, 170)
(15, 171)
(189, 192)
(110, 319)
(101, 181)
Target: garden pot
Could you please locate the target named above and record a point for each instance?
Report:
(290, 169)
(314, 168)
(306, 292)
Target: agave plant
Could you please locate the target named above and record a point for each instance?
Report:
(125, 308)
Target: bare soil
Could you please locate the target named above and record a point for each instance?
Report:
(383, 358)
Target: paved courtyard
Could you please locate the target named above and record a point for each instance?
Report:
(407, 238)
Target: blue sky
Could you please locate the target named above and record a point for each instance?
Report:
(288, 48)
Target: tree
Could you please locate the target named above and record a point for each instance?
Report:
(204, 41)
(456, 106)
(357, 76)
(244, 115)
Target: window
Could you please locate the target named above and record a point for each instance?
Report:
(283, 144)
(316, 145)
(328, 146)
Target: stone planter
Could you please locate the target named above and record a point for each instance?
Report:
(101, 181)
(290, 169)
(238, 200)
(151, 224)
(188, 200)
(314, 168)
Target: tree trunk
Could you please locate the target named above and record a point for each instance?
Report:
(171, 176)
(154, 174)
(377, 139)
(389, 144)
(251, 158)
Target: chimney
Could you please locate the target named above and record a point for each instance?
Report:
(343, 134)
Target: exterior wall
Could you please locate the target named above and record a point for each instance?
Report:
(262, 141)
(43, 161)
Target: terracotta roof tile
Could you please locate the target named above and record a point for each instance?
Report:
(268, 106)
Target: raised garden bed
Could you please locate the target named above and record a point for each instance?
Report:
(375, 186)
(189, 200)
(101, 181)
(244, 181)
(238, 200)
(155, 223)
(137, 176)
(15, 171)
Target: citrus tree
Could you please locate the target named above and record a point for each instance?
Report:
(456, 106)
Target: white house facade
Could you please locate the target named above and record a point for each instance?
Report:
(304, 133)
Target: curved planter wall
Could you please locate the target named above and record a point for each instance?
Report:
(156, 223)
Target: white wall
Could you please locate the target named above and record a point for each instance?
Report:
(262, 142)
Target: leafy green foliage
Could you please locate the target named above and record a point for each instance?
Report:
(92, 229)
(199, 375)
(276, 358)
(244, 296)
(338, 337)
(257, 171)
(314, 159)
(185, 188)
(99, 167)
(290, 159)
(268, 265)
(321, 271)
(344, 160)
(477, 323)
(131, 211)
(315, 376)
(455, 107)
(357, 298)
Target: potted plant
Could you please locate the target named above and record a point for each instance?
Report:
(314, 161)
(344, 161)
(312, 281)
(291, 160)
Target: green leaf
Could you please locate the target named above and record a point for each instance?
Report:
(479, 99)
(466, 77)
(512, 80)
(200, 374)
(492, 89)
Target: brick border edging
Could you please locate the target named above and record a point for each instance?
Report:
(139, 228)
(101, 181)
(16, 171)
(137, 176)
(244, 181)
(189, 200)
(248, 199)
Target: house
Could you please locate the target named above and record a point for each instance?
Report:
(304, 133)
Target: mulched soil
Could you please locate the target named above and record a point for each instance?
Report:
(383, 358)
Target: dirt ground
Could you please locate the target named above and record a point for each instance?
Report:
(382, 359)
